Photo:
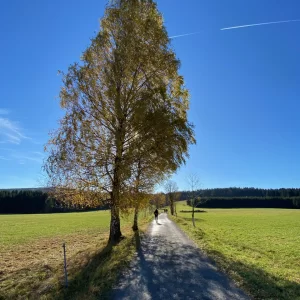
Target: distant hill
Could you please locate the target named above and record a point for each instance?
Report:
(35, 201)
(233, 192)
(245, 197)
(42, 189)
(214, 192)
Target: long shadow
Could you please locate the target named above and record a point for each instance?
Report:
(258, 283)
(190, 211)
(98, 276)
(85, 278)
(137, 241)
(162, 271)
(196, 219)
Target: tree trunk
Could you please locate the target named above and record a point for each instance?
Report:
(193, 214)
(172, 206)
(135, 220)
(115, 225)
(136, 208)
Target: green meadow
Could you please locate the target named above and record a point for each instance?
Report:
(258, 248)
(31, 255)
(20, 229)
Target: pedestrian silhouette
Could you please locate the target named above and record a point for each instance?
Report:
(156, 215)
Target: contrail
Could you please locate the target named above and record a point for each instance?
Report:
(259, 24)
(181, 35)
(237, 27)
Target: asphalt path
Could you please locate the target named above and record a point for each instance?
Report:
(168, 265)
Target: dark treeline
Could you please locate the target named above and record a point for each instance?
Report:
(243, 192)
(31, 201)
(247, 202)
(22, 202)
(245, 198)
(34, 202)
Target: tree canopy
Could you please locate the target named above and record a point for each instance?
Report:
(125, 104)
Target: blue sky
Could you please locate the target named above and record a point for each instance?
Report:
(244, 85)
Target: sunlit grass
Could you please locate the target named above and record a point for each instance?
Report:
(259, 248)
(18, 229)
(31, 255)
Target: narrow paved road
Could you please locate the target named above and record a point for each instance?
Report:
(169, 266)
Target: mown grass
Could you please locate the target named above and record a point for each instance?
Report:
(258, 248)
(19, 229)
(31, 255)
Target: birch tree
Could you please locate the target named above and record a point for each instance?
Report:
(194, 183)
(171, 189)
(124, 103)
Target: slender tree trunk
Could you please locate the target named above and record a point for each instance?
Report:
(172, 206)
(193, 213)
(136, 208)
(115, 225)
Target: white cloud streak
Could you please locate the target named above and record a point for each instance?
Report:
(181, 35)
(3, 158)
(237, 27)
(39, 153)
(30, 158)
(34, 156)
(10, 131)
(4, 111)
(22, 157)
(259, 24)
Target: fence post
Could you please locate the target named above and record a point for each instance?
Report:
(65, 265)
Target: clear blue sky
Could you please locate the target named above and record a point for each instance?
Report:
(244, 85)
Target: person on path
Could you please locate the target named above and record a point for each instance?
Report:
(156, 215)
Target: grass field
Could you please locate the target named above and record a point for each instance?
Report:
(258, 248)
(31, 255)
(19, 229)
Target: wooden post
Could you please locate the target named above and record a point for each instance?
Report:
(65, 265)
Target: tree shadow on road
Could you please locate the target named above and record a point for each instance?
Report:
(162, 271)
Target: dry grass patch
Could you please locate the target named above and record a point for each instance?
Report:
(34, 270)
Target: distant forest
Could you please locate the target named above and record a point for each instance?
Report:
(243, 192)
(245, 198)
(34, 201)
(31, 201)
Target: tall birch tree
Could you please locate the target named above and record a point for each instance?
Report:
(125, 103)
